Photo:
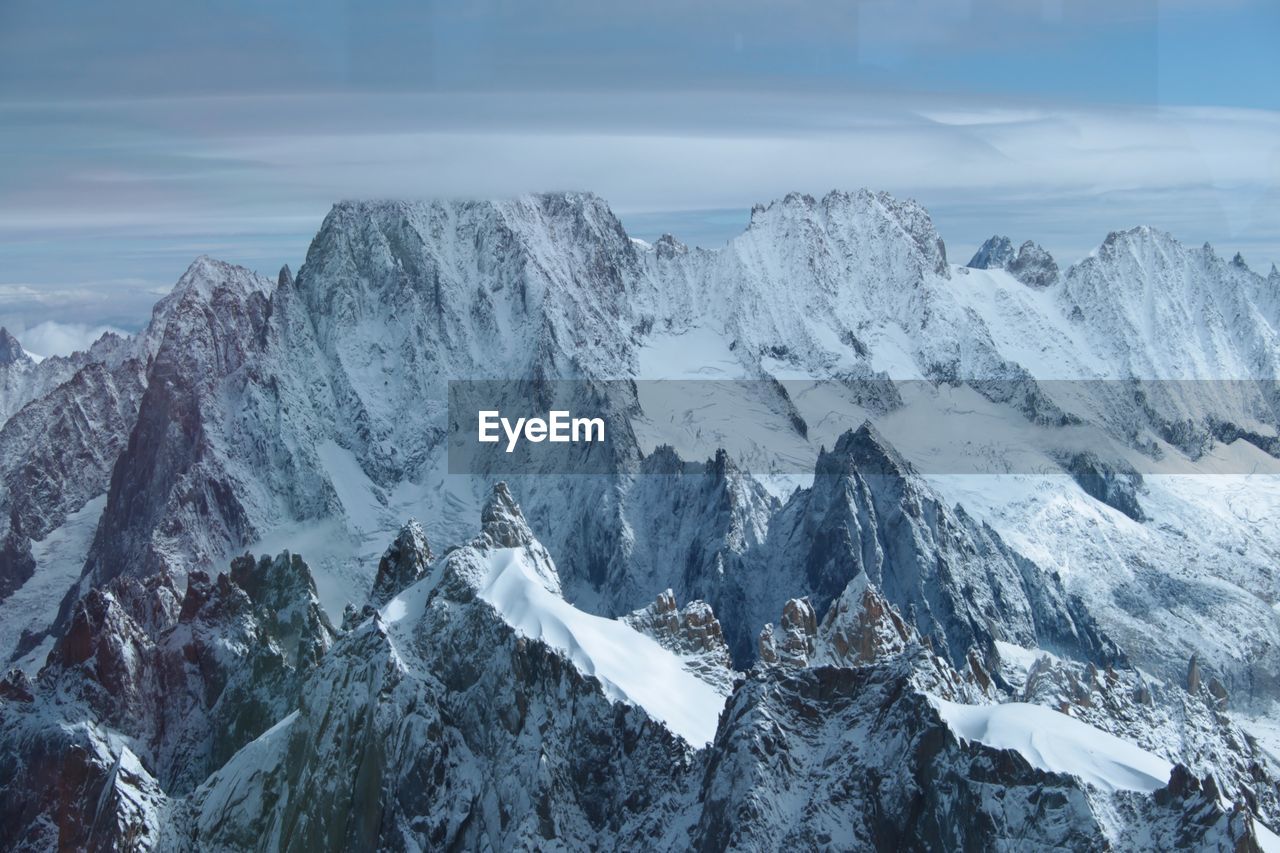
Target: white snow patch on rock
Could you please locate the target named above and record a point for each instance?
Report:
(1056, 743)
(631, 666)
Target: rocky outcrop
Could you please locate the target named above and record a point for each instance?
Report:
(11, 352)
(868, 513)
(1033, 266)
(57, 454)
(996, 253)
(189, 678)
(403, 564)
(693, 632)
(793, 643)
(1115, 484)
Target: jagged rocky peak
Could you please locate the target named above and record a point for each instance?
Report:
(1128, 704)
(283, 591)
(850, 216)
(996, 253)
(1034, 266)
(864, 451)
(102, 657)
(862, 627)
(206, 276)
(668, 247)
(664, 460)
(11, 352)
(403, 564)
(542, 280)
(1238, 262)
(952, 577)
(418, 237)
(795, 640)
(285, 278)
(1030, 264)
(502, 525)
(693, 629)
(1138, 241)
(693, 632)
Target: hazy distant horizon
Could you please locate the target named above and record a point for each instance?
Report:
(142, 135)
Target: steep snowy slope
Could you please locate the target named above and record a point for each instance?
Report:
(1157, 309)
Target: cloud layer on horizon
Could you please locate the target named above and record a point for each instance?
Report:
(139, 134)
(92, 227)
(53, 338)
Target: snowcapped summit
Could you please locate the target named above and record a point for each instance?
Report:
(11, 352)
(996, 253)
(852, 218)
(206, 276)
(669, 247)
(1155, 308)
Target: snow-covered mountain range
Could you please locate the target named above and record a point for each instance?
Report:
(1029, 645)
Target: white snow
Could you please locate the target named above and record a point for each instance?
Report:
(633, 667)
(1054, 742)
(59, 559)
(1267, 840)
(1020, 657)
(695, 353)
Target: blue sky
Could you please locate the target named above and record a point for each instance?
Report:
(137, 135)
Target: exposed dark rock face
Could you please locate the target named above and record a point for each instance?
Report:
(57, 453)
(11, 352)
(868, 512)
(996, 253)
(402, 565)
(1033, 266)
(169, 485)
(1115, 484)
(189, 679)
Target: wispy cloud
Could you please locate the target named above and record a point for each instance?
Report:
(54, 338)
(140, 133)
(250, 178)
